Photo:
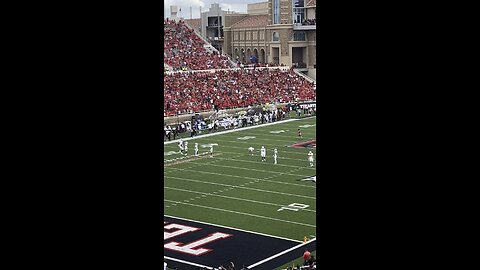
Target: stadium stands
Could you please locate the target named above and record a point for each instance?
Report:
(199, 91)
(183, 49)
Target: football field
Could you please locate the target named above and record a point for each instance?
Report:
(232, 200)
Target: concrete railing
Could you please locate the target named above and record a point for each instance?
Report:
(284, 68)
(305, 76)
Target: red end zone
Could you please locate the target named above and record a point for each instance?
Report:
(190, 244)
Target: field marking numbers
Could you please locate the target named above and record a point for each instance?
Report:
(208, 145)
(169, 153)
(233, 198)
(246, 214)
(246, 138)
(294, 207)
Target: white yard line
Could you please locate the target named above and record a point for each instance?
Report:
(233, 198)
(248, 169)
(242, 213)
(255, 189)
(231, 228)
(236, 130)
(243, 177)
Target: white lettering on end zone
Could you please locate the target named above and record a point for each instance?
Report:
(182, 230)
(190, 248)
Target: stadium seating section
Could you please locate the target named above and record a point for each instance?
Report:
(184, 49)
(194, 92)
(190, 92)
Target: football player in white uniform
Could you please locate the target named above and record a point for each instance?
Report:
(185, 148)
(275, 152)
(250, 150)
(196, 149)
(310, 158)
(211, 150)
(263, 153)
(180, 145)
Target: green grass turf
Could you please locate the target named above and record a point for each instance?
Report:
(238, 190)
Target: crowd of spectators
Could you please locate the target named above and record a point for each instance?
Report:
(183, 49)
(223, 89)
(198, 125)
(309, 22)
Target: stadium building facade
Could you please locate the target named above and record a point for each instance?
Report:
(275, 32)
(284, 34)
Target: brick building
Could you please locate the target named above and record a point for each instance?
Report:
(284, 32)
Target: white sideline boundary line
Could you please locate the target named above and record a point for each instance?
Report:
(281, 253)
(231, 228)
(185, 262)
(237, 129)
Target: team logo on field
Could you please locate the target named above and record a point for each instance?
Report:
(188, 243)
(195, 248)
(311, 178)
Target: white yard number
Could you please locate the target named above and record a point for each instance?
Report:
(306, 126)
(277, 131)
(169, 153)
(246, 138)
(293, 207)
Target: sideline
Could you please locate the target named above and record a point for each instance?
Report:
(237, 129)
(281, 253)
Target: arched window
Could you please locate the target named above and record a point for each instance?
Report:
(275, 36)
(298, 36)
